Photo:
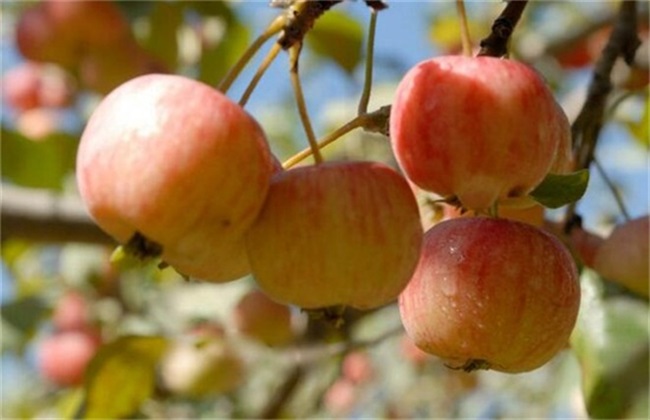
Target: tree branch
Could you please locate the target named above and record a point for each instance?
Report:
(496, 44)
(46, 216)
(585, 130)
(623, 42)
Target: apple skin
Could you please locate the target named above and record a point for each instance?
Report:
(478, 128)
(623, 256)
(341, 396)
(72, 312)
(21, 86)
(62, 31)
(357, 367)
(262, 319)
(491, 293)
(202, 366)
(37, 39)
(180, 163)
(337, 233)
(63, 357)
(88, 24)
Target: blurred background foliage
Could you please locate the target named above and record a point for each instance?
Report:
(138, 313)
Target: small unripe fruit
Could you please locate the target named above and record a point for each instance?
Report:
(481, 129)
(491, 293)
(260, 318)
(200, 367)
(179, 163)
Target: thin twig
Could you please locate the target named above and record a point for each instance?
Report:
(273, 52)
(274, 407)
(465, 37)
(585, 130)
(273, 28)
(370, 48)
(294, 54)
(612, 188)
(496, 44)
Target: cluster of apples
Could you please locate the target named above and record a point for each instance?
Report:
(173, 168)
(80, 36)
(487, 292)
(175, 161)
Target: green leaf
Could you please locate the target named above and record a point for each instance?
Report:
(38, 164)
(338, 37)
(217, 61)
(25, 313)
(122, 376)
(558, 190)
(165, 19)
(611, 343)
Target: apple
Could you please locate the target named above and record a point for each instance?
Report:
(38, 39)
(86, 24)
(201, 366)
(340, 397)
(623, 256)
(584, 244)
(21, 86)
(260, 318)
(336, 233)
(72, 312)
(480, 129)
(38, 123)
(491, 293)
(357, 367)
(179, 163)
(63, 357)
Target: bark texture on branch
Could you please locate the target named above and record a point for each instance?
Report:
(46, 216)
(496, 44)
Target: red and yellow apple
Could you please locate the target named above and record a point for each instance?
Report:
(624, 256)
(337, 233)
(179, 163)
(72, 312)
(21, 86)
(62, 31)
(480, 129)
(262, 319)
(201, 366)
(491, 293)
(64, 356)
(357, 367)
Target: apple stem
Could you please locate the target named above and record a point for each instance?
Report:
(370, 49)
(496, 44)
(273, 28)
(294, 54)
(273, 52)
(375, 122)
(465, 37)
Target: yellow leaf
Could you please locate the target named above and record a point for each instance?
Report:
(122, 376)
